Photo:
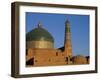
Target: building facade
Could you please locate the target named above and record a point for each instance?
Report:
(40, 49)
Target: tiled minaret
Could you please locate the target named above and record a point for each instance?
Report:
(68, 46)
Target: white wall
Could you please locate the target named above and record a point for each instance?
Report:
(5, 37)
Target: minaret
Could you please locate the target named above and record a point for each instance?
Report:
(67, 45)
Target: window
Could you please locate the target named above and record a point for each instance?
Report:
(56, 53)
(36, 61)
(66, 58)
(49, 60)
(70, 59)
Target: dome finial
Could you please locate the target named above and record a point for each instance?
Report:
(39, 24)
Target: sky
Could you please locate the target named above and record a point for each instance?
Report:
(55, 24)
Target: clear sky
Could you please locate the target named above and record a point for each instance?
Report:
(55, 24)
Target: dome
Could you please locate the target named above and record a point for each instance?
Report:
(40, 34)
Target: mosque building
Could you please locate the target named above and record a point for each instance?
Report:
(40, 49)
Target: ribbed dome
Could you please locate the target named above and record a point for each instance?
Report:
(39, 34)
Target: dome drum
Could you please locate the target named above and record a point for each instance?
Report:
(39, 44)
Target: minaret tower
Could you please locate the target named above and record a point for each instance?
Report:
(67, 45)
